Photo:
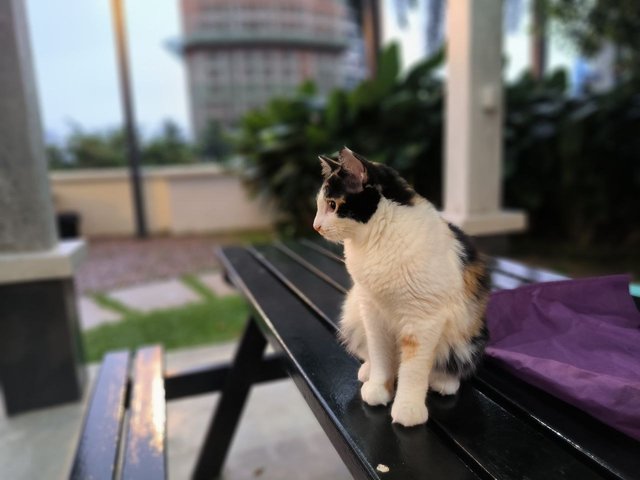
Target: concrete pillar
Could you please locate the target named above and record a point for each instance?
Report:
(474, 113)
(40, 350)
(23, 180)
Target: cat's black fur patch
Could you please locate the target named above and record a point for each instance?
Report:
(468, 253)
(484, 283)
(335, 186)
(393, 186)
(360, 206)
(463, 367)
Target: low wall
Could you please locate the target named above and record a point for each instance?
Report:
(178, 200)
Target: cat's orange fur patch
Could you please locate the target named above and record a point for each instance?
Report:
(408, 347)
(389, 384)
(472, 286)
(472, 278)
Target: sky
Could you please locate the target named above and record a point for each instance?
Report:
(516, 42)
(74, 55)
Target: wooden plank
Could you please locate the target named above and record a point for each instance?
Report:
(486, 433)
(327, 378)
(317, 261)
(525, 272)
(97, 452)
(320, 299)
(614, 453)
(196, 381)
(144, 456)
(328, 249)
(500, 281)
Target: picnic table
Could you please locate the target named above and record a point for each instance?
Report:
(496, 426)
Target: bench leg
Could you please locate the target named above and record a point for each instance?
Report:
(234, 395)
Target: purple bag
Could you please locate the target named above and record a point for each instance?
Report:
(578, 340)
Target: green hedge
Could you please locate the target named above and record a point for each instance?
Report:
(574, 165)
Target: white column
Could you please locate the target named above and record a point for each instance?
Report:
(29, 249)
(40, 349)
(474, 113)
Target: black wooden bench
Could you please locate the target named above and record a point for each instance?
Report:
(124, 431)
(495, 427)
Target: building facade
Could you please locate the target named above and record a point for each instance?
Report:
(241, 53)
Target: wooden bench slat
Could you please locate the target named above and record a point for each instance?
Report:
(483, 430)
(525, 273)
(199, 380)
(613, 452)
(324, 247)
(98, 446)
(332, 267)
(319, 298)
(327, 377)
(144, 456)
(500, 281)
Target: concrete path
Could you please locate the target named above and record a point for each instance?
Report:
(217, 284)
(149, 297)
(278, 437)
(92, 314)
(155, 296)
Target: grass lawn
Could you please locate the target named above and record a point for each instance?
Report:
(212, 320)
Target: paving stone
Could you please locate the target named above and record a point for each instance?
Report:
(93, 315)
(155, 296)
(277, 438)
(217, 283)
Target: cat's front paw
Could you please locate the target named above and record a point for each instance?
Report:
(363, 372)
(444, 384)
(375, 393)
(409, 414)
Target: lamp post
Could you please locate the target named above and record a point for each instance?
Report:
(133, 151)
(370, 24)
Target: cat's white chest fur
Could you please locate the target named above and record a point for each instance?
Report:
(407, 262)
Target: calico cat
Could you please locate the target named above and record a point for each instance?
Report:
(416, 310)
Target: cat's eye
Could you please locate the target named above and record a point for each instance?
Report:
(332, 204)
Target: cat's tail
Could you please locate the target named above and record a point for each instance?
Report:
(351, 333)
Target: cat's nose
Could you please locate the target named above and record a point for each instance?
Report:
(317, 227)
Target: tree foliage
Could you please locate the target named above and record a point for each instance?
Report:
(214, 143)
(386, 117)
(168, 148)
(571, 164)
(592, 23)
(103, 149)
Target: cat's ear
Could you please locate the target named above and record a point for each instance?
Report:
(355, 167)
(328, 165)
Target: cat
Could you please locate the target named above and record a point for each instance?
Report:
(416, 310)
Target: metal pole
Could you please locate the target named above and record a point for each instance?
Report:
(133, 152)
(538, 39)
(370, 21)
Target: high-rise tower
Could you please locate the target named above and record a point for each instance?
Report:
(240, 53)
